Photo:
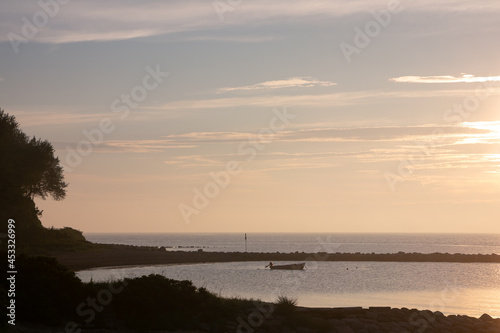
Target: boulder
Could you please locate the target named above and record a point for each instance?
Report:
(372, 328)
(370, 314)
(336, 322)
(355, 324)
(344, 329)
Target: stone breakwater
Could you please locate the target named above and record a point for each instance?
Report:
(371, 320)
(102, 255)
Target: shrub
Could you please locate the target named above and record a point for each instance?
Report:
(154, 301)
(285, 305)
(46, 291)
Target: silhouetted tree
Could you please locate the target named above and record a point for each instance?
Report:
(28, 169)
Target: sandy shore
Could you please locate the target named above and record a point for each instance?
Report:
(103, 255)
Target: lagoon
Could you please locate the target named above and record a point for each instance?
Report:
(452, 288)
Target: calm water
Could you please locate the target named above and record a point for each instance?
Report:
(365, 243)
(453, 288)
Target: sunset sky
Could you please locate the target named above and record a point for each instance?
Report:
(262, 116)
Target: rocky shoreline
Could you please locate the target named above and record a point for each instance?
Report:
(106, 255)
(371, 320)
(333, 320)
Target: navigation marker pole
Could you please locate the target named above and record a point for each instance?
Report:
(246, 243)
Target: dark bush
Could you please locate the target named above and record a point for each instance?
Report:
(46, 291)
(155, 301)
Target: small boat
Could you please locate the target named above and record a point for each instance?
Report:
(289, 267)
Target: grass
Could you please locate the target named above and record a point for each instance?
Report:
(285, 305)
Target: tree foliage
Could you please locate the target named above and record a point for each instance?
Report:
(28, 166)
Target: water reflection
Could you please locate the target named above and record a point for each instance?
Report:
(452, 288)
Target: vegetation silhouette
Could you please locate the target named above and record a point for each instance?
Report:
(50, 294)
(29, 170)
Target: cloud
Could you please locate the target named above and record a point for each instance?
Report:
(42, 115)
(58, 115)
(407, 138)
(209, 137)
(94, 20)
(233, 39)
(360, 134)
(128, 146)
(430, 147)
(293, 82)
(395, 133)
(103, 21)
(43, 118)
(465, 78)
(312, 100)
(139, 146)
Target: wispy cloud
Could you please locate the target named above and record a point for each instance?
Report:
(361, 134)
(293, 82)
(312, 100)
(233, 39)
(129, 146)
(209, 137)
(98, 21)
(371, 134)
(39, 116)
(42, 118)
(139, 146)
(95, 20)
(433, 147)
(406, 137)
(465, 78)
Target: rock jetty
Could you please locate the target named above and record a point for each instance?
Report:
(103, 255)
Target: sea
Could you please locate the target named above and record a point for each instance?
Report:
(452, 288)
(309, 242)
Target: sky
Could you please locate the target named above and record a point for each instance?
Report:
(259, 116)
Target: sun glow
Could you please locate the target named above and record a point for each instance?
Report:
(492, 136)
